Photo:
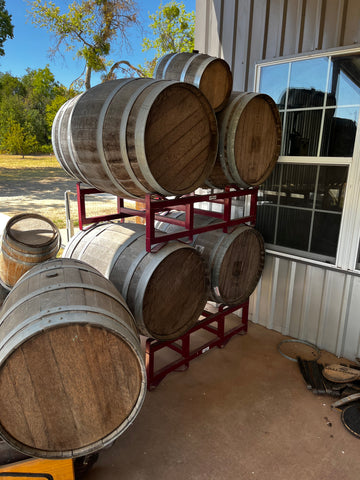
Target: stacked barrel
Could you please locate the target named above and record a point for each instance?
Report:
(168, 136)
(69, 328)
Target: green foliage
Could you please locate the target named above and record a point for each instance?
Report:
(17, 140)
(6, 27)
(173, 30)
(89, 27)
(28, 106)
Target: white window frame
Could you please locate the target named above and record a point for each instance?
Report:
(349, 235)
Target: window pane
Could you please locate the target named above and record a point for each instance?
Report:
(293, 228)
(305, 98)
(266, 221)
(302, 133)
(331, 188)
(325, 233)
(269, 190)
(339, 132)
(273, 81)
(309, 77)
(344, 84)
(298, 185)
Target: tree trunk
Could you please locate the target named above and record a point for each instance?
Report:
(88, 77)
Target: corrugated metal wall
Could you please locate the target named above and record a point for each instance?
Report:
(309, 302)
(244, 32)
(300, 299)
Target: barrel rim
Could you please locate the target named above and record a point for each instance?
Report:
(234, 111)
(19, 217)
(123, 135)
(54, 318)
(198, 62)
(109, 438)
(141, 123)
(99, 135)
(217, 266)
(166, 251)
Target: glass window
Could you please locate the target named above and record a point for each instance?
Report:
(339, 133)
(302, 133)
(344, 81)
(300, 206)
(274, 81)
(310, 76)
(319, 101)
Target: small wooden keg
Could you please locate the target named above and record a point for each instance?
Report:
(166, 291)
(212, 75)
(235, 260)
(249, 141)
(27, 239)
(135, 136)
(72, 377)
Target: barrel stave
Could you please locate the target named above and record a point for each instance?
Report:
(69, 339)
(166, 291)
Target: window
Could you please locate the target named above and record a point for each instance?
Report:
(302, 208)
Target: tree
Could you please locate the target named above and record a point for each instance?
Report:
(173, 30)
(89, 27)
(18, 141)
(27, 108)
(6, 27)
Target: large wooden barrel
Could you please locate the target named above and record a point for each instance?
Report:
(72, 377)
(212, 75)
(166, 291)
(4, 291)
(235, 260)
(27, 239)
(130, 137)
(249, 140)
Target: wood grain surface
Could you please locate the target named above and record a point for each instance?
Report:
(27, 239)
(235, 260)
(132, 136)
(166, 291)
(249, 140)
(211, 75)
(71, 368)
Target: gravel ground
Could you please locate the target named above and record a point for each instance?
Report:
(47, 197)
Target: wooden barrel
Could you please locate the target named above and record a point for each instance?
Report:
(72, 377)
(4, 291)
(132, 136)
(235, 260)
(249, 141)
(166, 291)
(27, 239)
(211, 75)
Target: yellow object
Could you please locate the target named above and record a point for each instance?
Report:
(39, 469)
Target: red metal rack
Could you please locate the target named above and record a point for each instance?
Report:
(182, 345)
(153, 208)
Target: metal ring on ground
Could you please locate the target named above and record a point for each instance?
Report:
(303, 342)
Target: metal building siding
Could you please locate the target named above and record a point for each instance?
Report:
(311, 303)
(244, 32)
(299, 299)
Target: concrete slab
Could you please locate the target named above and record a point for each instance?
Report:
(241, 412)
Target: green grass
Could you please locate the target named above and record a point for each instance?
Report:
(33, 162)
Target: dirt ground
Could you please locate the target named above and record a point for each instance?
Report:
(44, 193)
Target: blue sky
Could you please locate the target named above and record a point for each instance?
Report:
(30, 46)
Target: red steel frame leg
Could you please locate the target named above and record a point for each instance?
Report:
(184, 351)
